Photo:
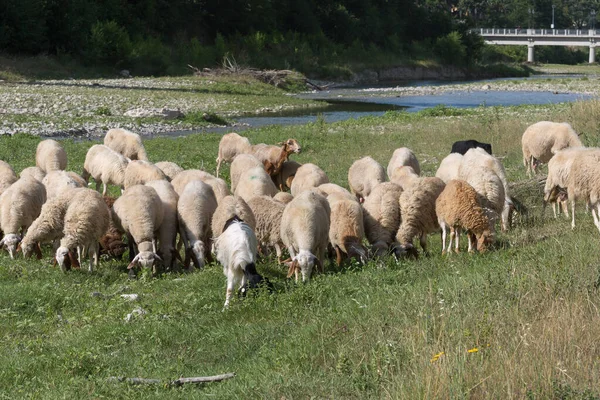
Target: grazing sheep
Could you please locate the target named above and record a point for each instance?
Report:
(86, 220)
(139, 172)
(111, 243)
(363, 176)
(170, 169)
(219, 186)
(327, 189)
(167, 234)
(305, 231)
(273, 157)
(56, 182)
(403, 157)
(283, 179)
(255, 182)
(127, 143)
(381, 215)
(7, 176)
(195, 210)
(20, 205)
(231, 145)
(236, 249)
(583, 183)
(308, 176)
(106, 166)
(404, 176)
(417, 207)
(457, 208)
(543, 139)
(228, 208)
(462, 146)
(50, 156)
(241, 164)
(186, 176)
(449, 167)
(139, 212)
(267, 213)
(346, 228)
(283, 197)
(33, 172)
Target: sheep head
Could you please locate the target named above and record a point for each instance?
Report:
(291, 146)
(29, 249)
(146, 259)
(10, 242)
(65, 259)
(406, 250)
(196, 253)
(304, 262)
(484, 240)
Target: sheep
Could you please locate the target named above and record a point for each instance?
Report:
(449, 167)
(273, 157)
(219, 186)
(78, 179)
(20, 205)
(346, 228)
(228, 208)
(308, 176)
(127, 143)
(186, 176)
(457, 208)
(112, 243)
(58, 181)
(267, 213)
(33, 172)
(167, 233)
(477, 159)
(403, 157)
(239, 165)
(305, 231)
(417, 208)
(327, 189)
(404, 176)
(462, 146)
(86, 220)
(283, 179)
(195, 210)
(283, 197)
(236, 250)
(139, 213)
(106, 166)
(7, 176)
(583, 183)
(543, 139)
(363, 176)
(231, 145)
(170, 169)
(381, 216)
(139, 172)
(50, 156)
(255, 182)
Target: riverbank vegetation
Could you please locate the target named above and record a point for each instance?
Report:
(519, 321)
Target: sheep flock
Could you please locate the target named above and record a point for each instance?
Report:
(163, 207)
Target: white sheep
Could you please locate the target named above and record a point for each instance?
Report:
(139, 172)
(86, 220)
(239, 165)
(381, 215)
(363, 176)
(403, 156)
(139, 212)
(346, 228)
(283, 179)
(417, 208)
(7, 176)
(229, 207)
(255, 182)
(308, 176)
(170, 169)
(457, 208)
(167, 234)
(50, 156)
(543, 139)
(449, 167)
(195, 210)
(305, 233)
(267, 213)
(127, 143)
(583, 183)
(231, 145)
(188, 175)
(33, 172)
(20, 205)
(283, 197)
(327, 189)
(106, 166)
(404, 176)
(56, 182)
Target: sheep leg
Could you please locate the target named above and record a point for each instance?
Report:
(472, 245)
(444, 235)
(457, 239)
(229, 290)
(554, 210)
(573, 214)
(338, 254)
(595, 216)
(278, 252)
(565, 208)
(218, 165)
(104, 188)
(423, 242)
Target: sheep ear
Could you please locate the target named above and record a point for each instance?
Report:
(133, 262)
(38, 250)
(74, 260)
(292, 268)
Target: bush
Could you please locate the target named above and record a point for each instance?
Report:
(450, 49)
(109, 44)
(149, 57)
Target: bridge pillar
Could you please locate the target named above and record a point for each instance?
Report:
(530, 53)
(592, 53)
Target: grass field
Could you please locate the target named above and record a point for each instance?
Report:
(520, 321)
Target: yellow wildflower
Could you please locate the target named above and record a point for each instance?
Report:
(473, 350)
(437, 356)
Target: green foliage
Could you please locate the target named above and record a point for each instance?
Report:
(149, 56)
(450, 49)
(109, 44)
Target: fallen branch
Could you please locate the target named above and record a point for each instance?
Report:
(176, 382)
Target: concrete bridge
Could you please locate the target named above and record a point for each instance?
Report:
(542, 37)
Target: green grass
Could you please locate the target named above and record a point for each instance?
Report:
(529, 306)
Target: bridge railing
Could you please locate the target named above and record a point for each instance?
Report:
(535, 32)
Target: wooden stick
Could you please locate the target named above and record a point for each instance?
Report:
(176, 382)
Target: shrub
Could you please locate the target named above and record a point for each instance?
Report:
(450, 49)
(109, 44)
(149, 57)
